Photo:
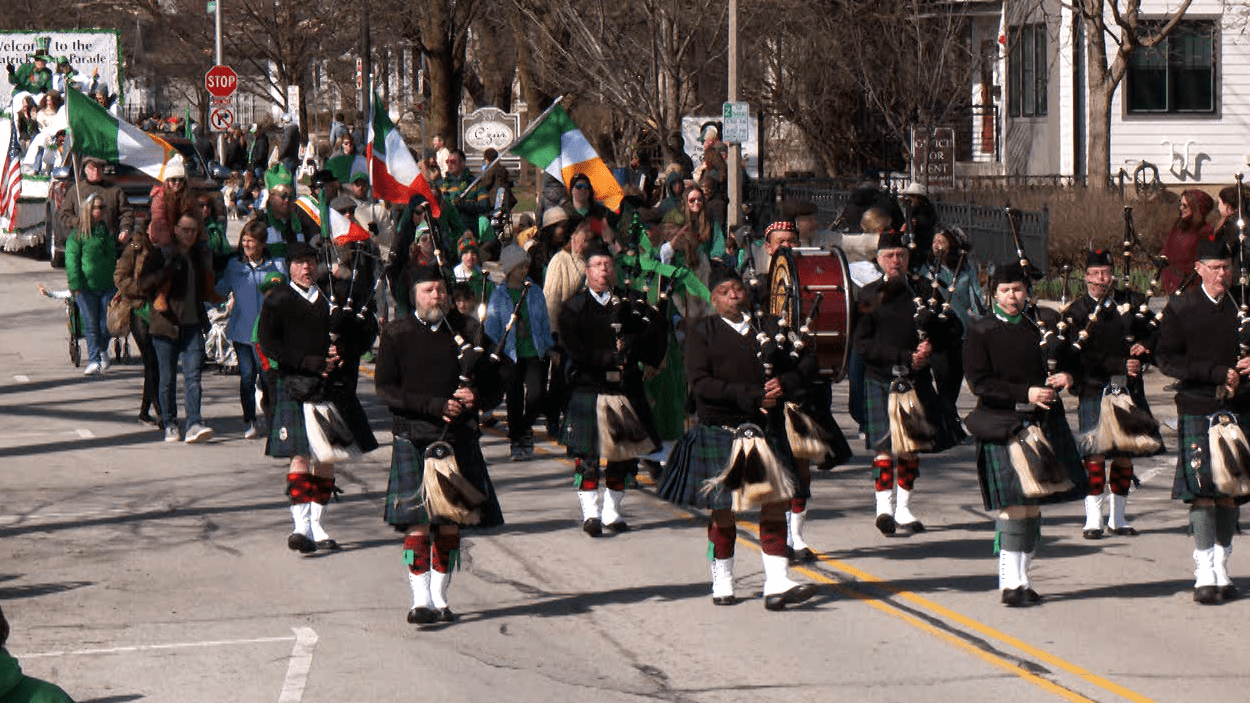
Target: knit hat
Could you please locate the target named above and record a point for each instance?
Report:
(780, 226)
(467, 243)
(175, 168)
(511, 257)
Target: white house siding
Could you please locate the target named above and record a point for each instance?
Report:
(1218, 144)
(1036, 145)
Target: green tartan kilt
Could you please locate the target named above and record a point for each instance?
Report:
(1193, 461)
(288, 437)
(1089, 408)
(1000, 488)
(702, 454)
(876, 427)
(580, 433)
(404, 505)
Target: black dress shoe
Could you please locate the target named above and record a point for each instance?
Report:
(422, 616)
(1031, 597)
(1207, 595)
(1013, 597)
(328, 544)
(592, 527)
(1124, 531)
(885, 523)
(652, 467)
(916, 527)
(800, 556)
(299, 543)
(1229, 592)
(445, 615)
(618, 526)
(1092, 534)
(797, 594)
(724, 600)
(149, 421)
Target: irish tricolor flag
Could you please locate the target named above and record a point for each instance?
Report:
(340, 228)
(558, 147)
(97, 133)
(395, 174)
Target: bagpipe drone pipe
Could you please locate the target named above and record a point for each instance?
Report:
(640, 335)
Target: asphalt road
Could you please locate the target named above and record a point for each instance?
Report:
(133, 570)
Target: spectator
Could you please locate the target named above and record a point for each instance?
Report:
(16, 687)
(248, 197)
(288, 148)
(215, 228)
(583, 204)
(338, 130)
(441, 153)
(674, 188)
(170, 201)
(566, 272)
(455, 189)
(1181, 245)
(235, 157)
(258, 152)
(707, 235)
(90, 258)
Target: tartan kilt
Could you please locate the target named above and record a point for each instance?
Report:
(580, 432)
(702, 454)
(1000, 488)
(288, 437)
(404, 506)
(1089, 409)
(1197, 482)
(947, 430)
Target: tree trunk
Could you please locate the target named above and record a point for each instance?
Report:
(1098, 131)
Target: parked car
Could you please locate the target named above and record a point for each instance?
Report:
(202, 177)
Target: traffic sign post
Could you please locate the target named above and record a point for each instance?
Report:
(736, 119)
(221, 119)
(221, 81)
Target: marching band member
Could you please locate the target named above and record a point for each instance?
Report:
(896, 347)
(1008, 372)
(421, 374)
(607, 415)
(287, 225)
(736, 401)
(1105, 354)
(1198, 346)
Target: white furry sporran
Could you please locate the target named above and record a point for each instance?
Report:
(446, 492)
(1038, 468)
(1123, 428)
(1230, 455)
(807, 439)
(330, 440)
(753, 475)
(910, 429)
(622, 436)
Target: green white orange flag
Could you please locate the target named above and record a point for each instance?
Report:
(394, 173)
(558, 147)
(95, 132)
(340, 228)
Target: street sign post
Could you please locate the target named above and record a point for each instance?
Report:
(736, 119)
(221, 81)
(221, 119)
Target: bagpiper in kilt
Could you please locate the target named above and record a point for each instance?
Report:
(606, 339)
(1198, 346)
(294, 330)
(418, 377)
(896, 349)
(732, 397)
(1016, 398)
(1106, 354)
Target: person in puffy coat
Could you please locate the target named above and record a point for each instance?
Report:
(90, 258)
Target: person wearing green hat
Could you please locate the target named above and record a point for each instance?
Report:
(469, 270)
(33, 77)
(287, 225)
(66, 76)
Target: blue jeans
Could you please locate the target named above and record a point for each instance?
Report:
(93, 306)
(249, 372)
(187, 349)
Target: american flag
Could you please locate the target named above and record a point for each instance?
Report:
(11, 176)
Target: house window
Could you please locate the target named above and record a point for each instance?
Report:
(1027, 71)
(1175, 75)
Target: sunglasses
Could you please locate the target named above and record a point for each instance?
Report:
(581, 186)
(695, 200)
(280, 196)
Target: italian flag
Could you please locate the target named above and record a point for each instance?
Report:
(341, 229)
(558, 147)
(97, 133)
(394, 173)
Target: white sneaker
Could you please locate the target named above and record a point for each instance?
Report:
(104, 366)
(253, 430)
(92, 369)
(198, 433)
(172, 434)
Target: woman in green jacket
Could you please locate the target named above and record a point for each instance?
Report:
(90, 258)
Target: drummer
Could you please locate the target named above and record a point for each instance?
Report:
(782, 234)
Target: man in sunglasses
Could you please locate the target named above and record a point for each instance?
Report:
(288, 225)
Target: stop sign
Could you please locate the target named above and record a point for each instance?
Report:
(221, 81)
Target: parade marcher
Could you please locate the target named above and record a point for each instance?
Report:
(16, 687)
(1008, 371)
(694, 217)
(526, 345)
(955, 267)
(298, 330)
(582, 204)
(170, 200)
(469, 270)
(242, 279)
(454, 186)
(287, 224)
(90, 259)
(118, 216)
(896, 346)
(922, 220)
(1109, 351)
(607, 415)
(1198, 346)
(33, 77)
(738, 390)
(434, 391)
(137, 263)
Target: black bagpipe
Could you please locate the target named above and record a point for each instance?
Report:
(622, 433)
(911, 429)
(1230, 450)
(446, 491)
(754, 475)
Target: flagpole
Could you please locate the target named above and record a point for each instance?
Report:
(528, 130)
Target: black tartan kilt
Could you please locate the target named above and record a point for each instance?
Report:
(580, 432)
(404, 506)
(876, 427)
(1000, 488)
(1089, 409)
(702, 454)
(1190, 482)
(288, 437)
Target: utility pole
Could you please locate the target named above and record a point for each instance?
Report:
(221, 136)
(734, 181)
(366, 66)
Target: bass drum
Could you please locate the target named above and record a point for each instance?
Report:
(796, 276)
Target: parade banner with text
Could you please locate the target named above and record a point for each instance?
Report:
(90, 52)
